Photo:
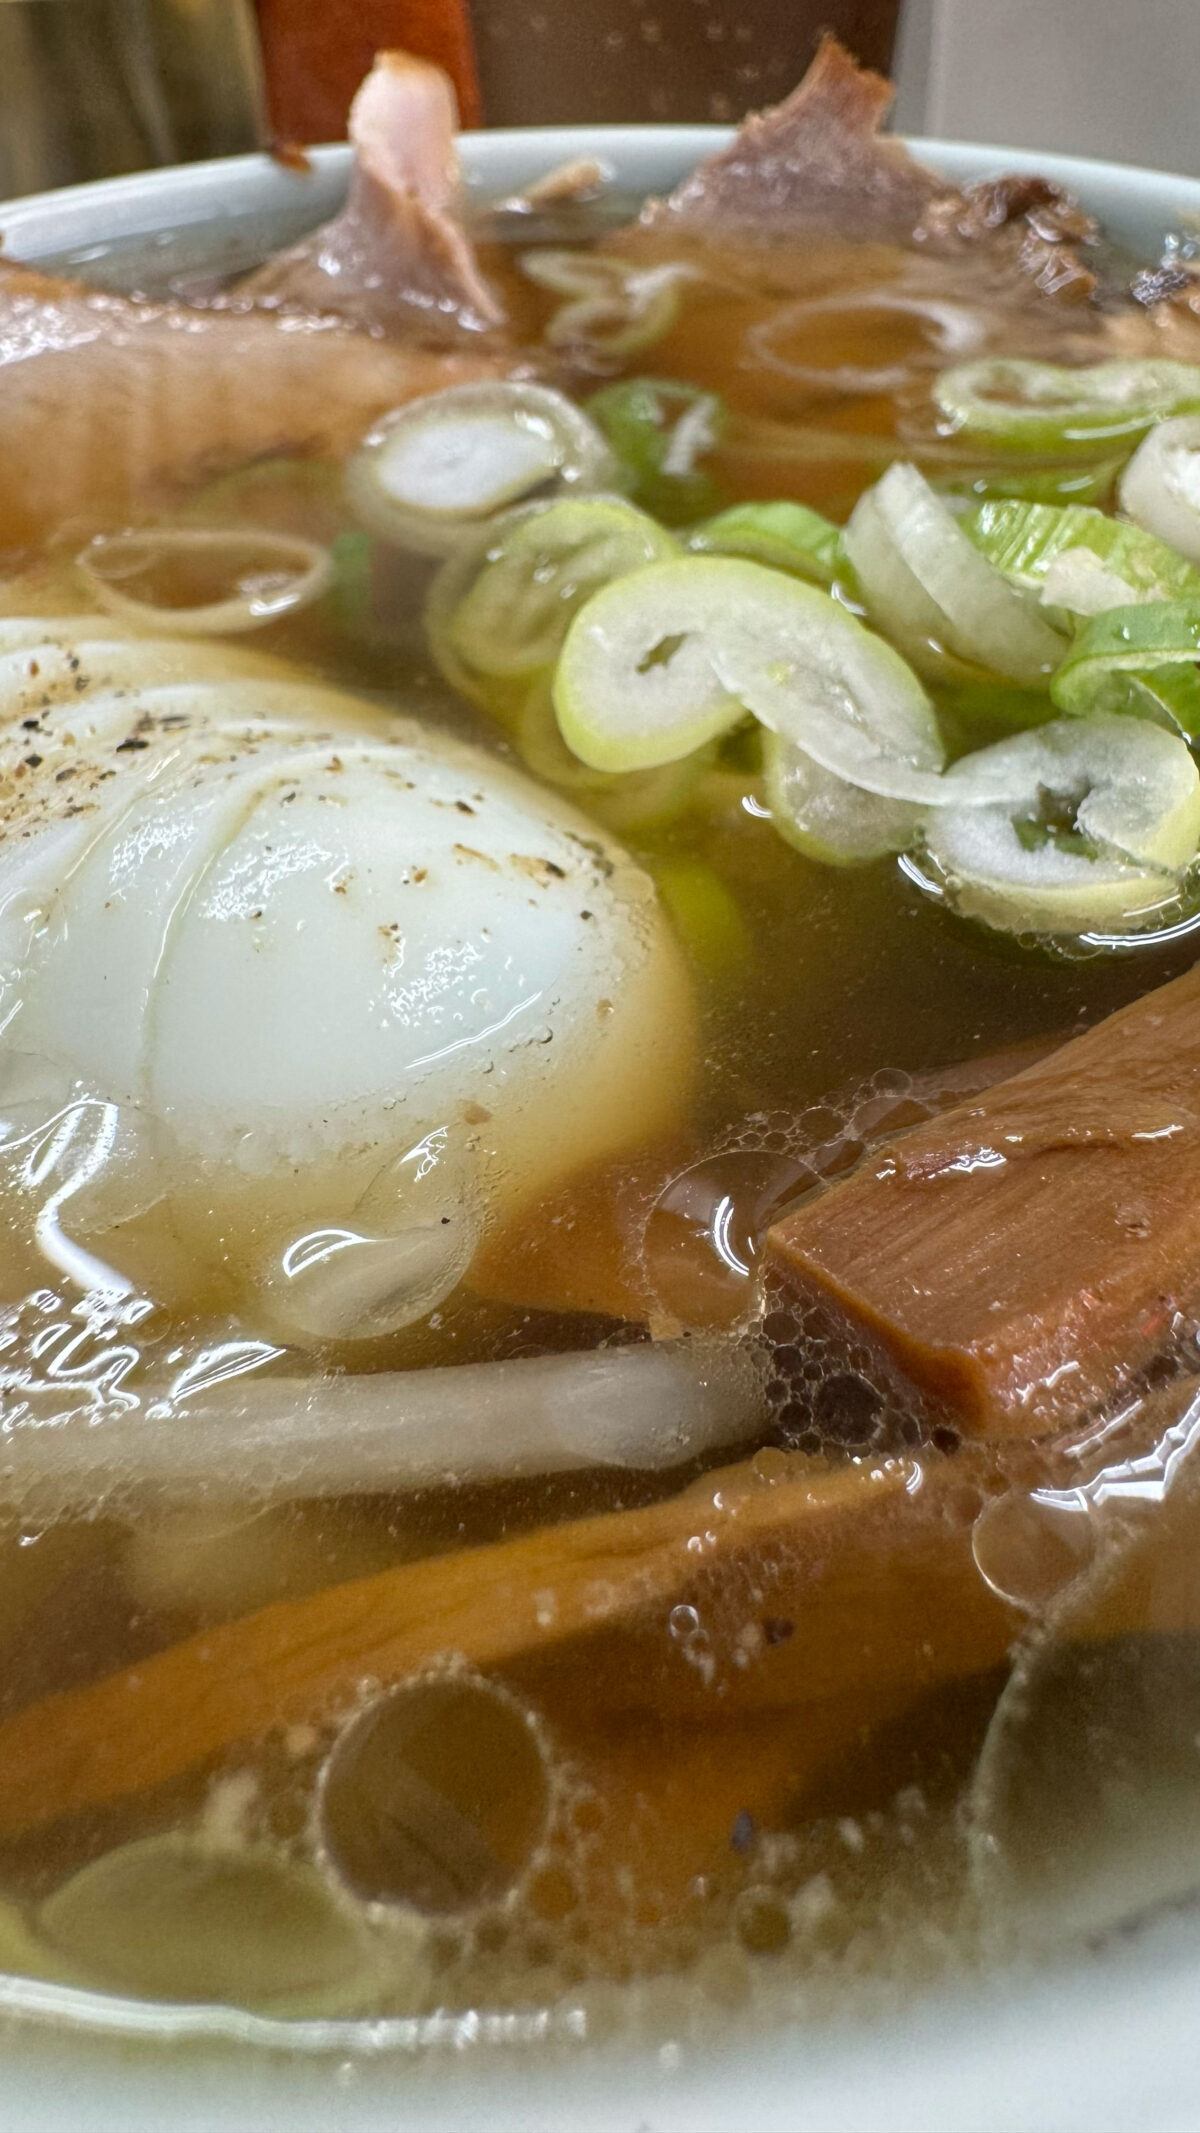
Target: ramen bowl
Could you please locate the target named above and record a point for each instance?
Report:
(1101, 2040)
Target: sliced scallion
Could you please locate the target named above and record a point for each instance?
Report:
(661, 431)
(815, 676)
(1064, 482)
(705, 915)
(1107, 823)
(1077, 584)
(828, 819)
(931, 589)
(1137, 659)
(614, 309)
(251, 576)
(636, 685)
(625, 802)
(498, 698)
(1078, 558)
(351, 554)
(432, 472)
(673, 656)
(536, 569)
(646, 801)
(545, 754)
(1050, 408)
(781, 341)
(1160, 487)
(785, 536)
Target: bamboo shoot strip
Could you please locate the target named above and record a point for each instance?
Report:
(854, 1545)
(1018, 1260)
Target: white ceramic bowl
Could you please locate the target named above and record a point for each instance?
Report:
(1108, 2042)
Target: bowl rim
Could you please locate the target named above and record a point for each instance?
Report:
(1094, 2044)
(1129, 199)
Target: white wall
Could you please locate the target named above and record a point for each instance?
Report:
(1118, 78)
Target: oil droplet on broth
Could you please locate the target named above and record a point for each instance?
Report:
(684, 1624)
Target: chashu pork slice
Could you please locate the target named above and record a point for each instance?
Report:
(397, 257)
(817, 160)
(1021, 1259)
(818, 167)
(108, 404)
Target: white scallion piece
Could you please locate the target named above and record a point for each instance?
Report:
(1108, 824)
(509, 603)
(813, 675)
(929, 587)
(663, 661)
(1082, 584)
(262, 575)
(652, 1406)
(1053, 408)
(1075, 557)
(629, 801)
(1160, 487)
(613, 307)
(828, 819)
(636, 685)
(429, 474)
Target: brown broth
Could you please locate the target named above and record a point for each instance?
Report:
(623, 1810)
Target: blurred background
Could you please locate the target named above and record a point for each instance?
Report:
(89, 88)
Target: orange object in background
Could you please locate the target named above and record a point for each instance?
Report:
(557, 62)
(316, 52)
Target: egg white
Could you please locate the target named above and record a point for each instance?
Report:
(321, 974)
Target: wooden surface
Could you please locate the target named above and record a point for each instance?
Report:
(547, 62)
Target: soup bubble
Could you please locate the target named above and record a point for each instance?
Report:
(1086, 1810)
(436, 1796)
(1028, 1550)
(703, 1235)
(401, 1252)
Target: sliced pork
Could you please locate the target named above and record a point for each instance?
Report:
(816, 161)
(381, 306)
(397, 258)
(140, 397)
(818, 165)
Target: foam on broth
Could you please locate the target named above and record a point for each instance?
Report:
(613, 1833)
